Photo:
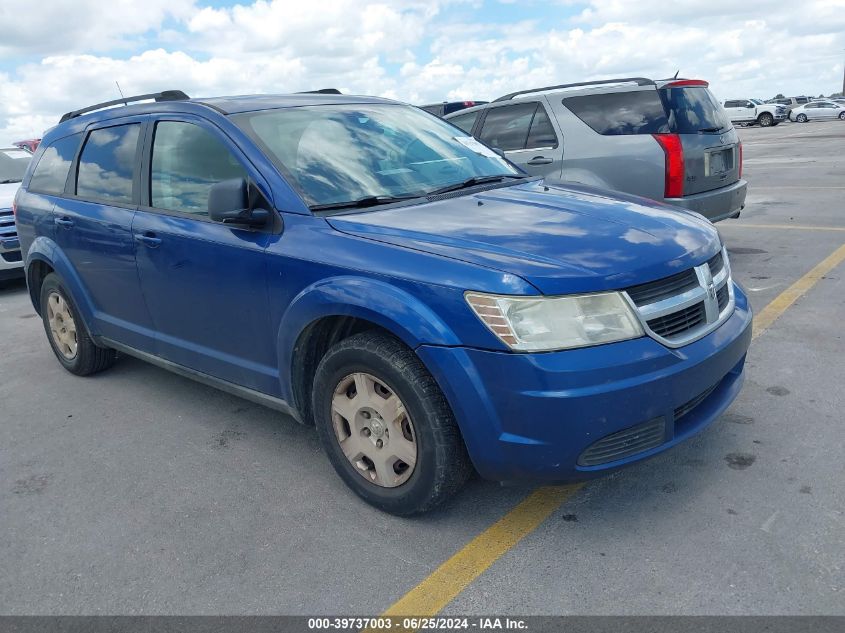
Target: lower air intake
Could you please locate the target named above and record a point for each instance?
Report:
(625, 443)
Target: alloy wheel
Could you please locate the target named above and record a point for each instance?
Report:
(62, 325)
(374, 430)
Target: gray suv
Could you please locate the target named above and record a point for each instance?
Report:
(668, 140)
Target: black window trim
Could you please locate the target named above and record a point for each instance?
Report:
(73, 176)
(63, 192)
(253, 175)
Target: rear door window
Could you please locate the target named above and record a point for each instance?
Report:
(51, 173)
(107, 164)
(506, 128)
(187, 160)
(692, 109)
(621, 113)
(466, 121)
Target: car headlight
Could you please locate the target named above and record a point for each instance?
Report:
(542, 324)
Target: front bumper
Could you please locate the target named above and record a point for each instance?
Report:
(533, 416)
(11, 264)
(716, 204)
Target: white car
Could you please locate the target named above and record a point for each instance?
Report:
(817, 110)
(13, 164)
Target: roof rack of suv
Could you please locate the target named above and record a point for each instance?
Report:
(322, 91)
(640, 81)
(164, 95)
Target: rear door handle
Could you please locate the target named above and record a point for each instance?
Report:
(148, 239)
(540, 160)
(63, 222)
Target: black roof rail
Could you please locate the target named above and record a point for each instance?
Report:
(640, 81)
(164, 95)
(321, 91)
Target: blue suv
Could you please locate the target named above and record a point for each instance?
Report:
(369, 268)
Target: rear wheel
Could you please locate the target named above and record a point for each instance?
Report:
(386, 426)
(67, 335)
(801, 118)
(766, 119)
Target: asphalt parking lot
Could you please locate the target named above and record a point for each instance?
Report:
(140, 492)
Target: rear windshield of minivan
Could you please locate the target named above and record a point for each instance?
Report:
(693, 109)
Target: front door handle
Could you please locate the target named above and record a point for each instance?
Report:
(540, 160)
(63, 222)
(148, 239)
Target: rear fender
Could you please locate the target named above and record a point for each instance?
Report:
(44, 249)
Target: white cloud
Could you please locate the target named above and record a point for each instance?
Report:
(406, 49)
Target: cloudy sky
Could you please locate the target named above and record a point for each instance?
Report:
(57, 55)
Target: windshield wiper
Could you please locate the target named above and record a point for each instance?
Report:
(475, 180)
(9, 181)
(367, 201)
(711, 129)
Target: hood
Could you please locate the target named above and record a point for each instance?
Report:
(562, 240)
(7, 194)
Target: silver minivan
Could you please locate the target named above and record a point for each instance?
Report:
(668, 140)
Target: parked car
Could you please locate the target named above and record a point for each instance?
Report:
(792, 102)
(357, 264)
(442, 109)
(817, 110)
(13, 164)
(750, 111)
(668, 140)
(29, 145)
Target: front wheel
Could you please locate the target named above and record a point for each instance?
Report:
(766, 119)
(842, 116)
(801, 118)
(386, 426)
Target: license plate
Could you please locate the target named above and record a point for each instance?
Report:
(718, 162)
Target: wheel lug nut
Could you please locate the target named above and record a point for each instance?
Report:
(367, 432)
(379, 443)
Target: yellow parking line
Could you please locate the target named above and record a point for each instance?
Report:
(453, 576)
(768, 315)
(799, 227)
(442, 586)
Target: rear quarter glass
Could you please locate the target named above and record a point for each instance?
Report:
(621, 113)
(691, 109)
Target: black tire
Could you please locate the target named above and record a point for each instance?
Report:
(765, 119)
(89, 358)
(842, 116)
(801, 118)
(442, 465)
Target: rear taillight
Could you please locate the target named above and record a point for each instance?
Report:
(673, 152)
(740, 159)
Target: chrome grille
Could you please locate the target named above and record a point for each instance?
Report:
(678, 322)
(8, 232)
(663, 288)
(680, 309)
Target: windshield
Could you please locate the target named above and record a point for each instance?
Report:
(341, 153)
(693, 109)
(13, 164)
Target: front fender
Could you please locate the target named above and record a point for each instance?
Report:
(43, 249)
(382, 303)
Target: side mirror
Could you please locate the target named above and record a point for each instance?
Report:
(750, 106)
(228, 202)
